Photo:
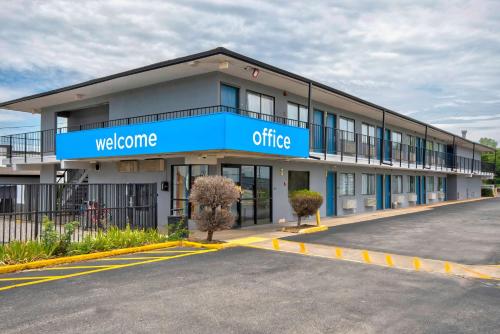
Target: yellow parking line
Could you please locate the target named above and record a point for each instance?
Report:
(54, 278)
(132, 258)
(168, 251)
(27, 278)
(80, 267)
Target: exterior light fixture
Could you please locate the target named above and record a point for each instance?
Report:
(79, 96)
(255, 73)
(193, 63)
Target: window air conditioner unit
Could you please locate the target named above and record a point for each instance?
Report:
(441, 195)
(431, 195)
(370, 202)
(128, 166)
(398, 199)
(349, 204)
(412, 197)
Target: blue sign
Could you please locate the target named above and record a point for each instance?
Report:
(222, 131)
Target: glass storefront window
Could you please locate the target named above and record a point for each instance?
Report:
(183, 177)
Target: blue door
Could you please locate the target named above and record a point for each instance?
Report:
(424, 195)
(387, 146)
(379, 143)
(387, 191)
(330, 194)
(380, 191)
(229, 96)
(331, 124)
(318, 131)
(418, 187)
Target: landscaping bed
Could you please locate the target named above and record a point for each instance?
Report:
(53, 244)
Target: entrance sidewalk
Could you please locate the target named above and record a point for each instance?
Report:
(247, 235)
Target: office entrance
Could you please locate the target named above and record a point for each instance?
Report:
(255, 204)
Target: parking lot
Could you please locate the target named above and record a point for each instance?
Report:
(466, 233)
(245, 290)
(251, 290)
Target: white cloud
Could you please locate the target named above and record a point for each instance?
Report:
(407, 55)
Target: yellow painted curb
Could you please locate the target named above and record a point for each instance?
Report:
(84, 257)
(314, 229)
(208, 246)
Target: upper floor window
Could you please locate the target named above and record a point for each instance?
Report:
(297, 114)
(367, 131)
(346, 125)
(346, 184)
(397, 137)
(260, 104)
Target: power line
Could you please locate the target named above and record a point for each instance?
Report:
(19, 127)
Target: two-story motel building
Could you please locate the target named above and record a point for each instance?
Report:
(271, 131)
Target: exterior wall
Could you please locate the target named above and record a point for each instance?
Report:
(461, 187)
(108, 173)
(88, 115)
(192, 92)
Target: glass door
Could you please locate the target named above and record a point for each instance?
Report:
(255, 205)
(247, 202)
(264, 195)
(233, 172)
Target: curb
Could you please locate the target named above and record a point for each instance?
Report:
(92, 256)
(314, 229)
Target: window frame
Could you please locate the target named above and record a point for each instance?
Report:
(298, 171)
(300, 108)
(370, 190)
(397, 187)
(411, 189)
(347, 191)
(248, 91)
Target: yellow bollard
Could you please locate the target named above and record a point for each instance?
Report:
(417, 264)
(366, 256)
(302, 247)
(447, 267)
(318, 218)
(389, 261)
(276, 244)
(338, 253)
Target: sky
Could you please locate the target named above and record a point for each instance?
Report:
(437, 61)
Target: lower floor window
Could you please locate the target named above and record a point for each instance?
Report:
(367, 184)
(183, 177)
(397, 184)
(411, 184)
(297, 180)
(441, 181)
(346, 184)
(430, 183)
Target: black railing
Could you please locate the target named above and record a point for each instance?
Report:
(94, 206)
(325, 140)
(350, 146)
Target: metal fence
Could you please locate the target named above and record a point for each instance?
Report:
(94, 206)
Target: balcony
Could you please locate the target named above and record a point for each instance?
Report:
(326, 144)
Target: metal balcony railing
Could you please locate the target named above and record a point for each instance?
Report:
(324, 140)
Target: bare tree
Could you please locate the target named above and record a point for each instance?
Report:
(214, 195)
(305, 203)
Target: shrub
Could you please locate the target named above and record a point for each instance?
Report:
(305, 203)
(214, 195)
(487, 192)
(177, 231)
